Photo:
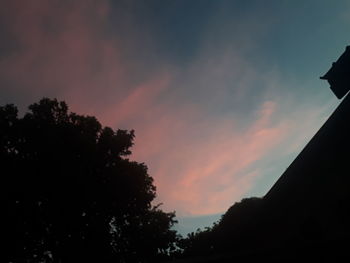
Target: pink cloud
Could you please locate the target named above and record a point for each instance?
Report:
(201, 165)
(138, 104)
(62, 52)
(202, 161)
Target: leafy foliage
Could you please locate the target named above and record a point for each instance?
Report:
(71, 195)
(237, 229)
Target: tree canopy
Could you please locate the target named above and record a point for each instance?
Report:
(71, 194)
(238, 230)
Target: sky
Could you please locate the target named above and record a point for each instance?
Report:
(222, 95)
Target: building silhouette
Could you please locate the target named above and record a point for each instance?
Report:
(308, 206)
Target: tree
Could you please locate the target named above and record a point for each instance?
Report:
(238, 229)
(70, 193)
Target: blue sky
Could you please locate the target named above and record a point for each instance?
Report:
(222, 94)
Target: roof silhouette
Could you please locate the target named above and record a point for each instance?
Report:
(306, 213)
(312, 196)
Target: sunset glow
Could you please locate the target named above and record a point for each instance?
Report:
(220, 98)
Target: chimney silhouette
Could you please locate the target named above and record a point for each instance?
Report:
(338, 76)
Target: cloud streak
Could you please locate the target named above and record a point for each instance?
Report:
(206, 129)
(201, 167)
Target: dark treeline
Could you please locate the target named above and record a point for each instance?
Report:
(236, 229)
(254, 230)
(70, 194)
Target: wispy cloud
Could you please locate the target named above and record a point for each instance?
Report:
(206, 129)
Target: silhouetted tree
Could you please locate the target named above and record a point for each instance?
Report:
(237, 230)
(70, 194)
(199, 243)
